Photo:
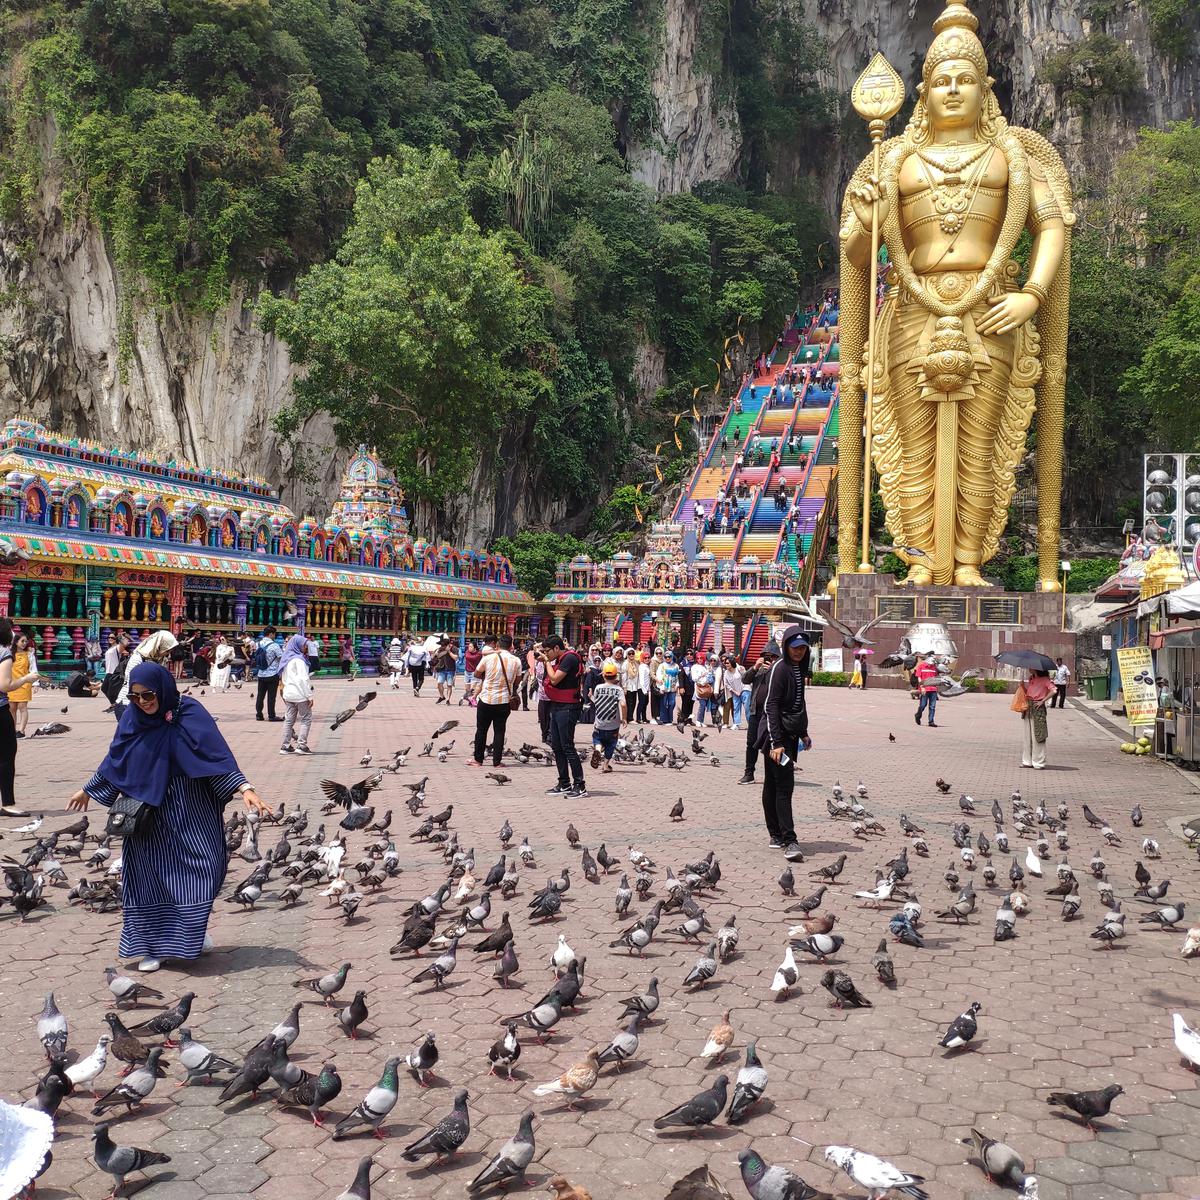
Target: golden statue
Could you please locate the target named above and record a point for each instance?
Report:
(965, 351)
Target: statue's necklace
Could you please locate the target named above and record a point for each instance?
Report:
(953, 193)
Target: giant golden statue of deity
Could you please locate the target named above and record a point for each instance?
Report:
(965, 350)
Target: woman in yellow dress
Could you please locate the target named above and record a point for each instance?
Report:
(24, 663)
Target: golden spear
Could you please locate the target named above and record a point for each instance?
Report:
(877, 97)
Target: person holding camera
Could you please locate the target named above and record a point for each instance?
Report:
(564, 673)
(782, 730)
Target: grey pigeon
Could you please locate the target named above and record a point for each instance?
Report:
(446, 1136)
(354, 1014)
(373, 1108)
(423, 1058)
(541, 1018)
(1000, 1163)
(1172, 914)
(135, 1088)
(511, 1160)
(508, 964)
(254, 1071)
(167, 1021)
(284, 1072)
(198, 1060)
(326, 986)
(774, 1183)
(441, 968)
(705, 968)
(360, 1189)
(52, 1028)
(1088, 1105)
(125, 990)
(624, 1044)
(119, 1161)
(841, 987)
(645, 1004)
(749, 1086)
(288, 1030)
(882, 962)
(313, 1092)
(702, 1109)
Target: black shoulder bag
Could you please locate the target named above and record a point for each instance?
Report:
(128, 817)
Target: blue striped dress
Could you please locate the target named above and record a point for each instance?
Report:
(173, 872)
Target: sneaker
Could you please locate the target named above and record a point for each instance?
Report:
(776, 843)
(149, 964)
(793, 853)
(596, 756)
(260, 717)
(303, 750)
(746, 778)
(274, 718)
(286, 750)
(606, 769)
(577, 792)
(917, 717)
(558, 790)
(207, 944)
(932, 725)
(20, 733)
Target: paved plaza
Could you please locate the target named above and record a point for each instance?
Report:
(1058, 1011)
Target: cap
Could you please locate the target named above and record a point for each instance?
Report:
(609, 668)
(771, 650)
(793, 635)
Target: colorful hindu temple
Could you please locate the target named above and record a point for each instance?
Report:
(116, 542)
(750, 526)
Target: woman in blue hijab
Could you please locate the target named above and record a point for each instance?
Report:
(169, 754)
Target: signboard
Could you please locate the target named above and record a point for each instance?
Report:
(146, 578)
(948, 610)
(832, 659)
(896, 608)
(1137, 682)
(1000, 610)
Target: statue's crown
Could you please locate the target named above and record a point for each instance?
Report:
(955, 36)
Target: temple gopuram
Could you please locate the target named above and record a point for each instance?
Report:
(116, 542)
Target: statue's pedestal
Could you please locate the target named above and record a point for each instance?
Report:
(980, 621)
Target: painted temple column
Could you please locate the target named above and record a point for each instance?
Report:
(7, 575)
(719, 639)
(241, 609)
(301, 610)
(461, 626)
(557, 615)
(352, 602)
(175, 600)
(510, 625)
(95, 579)
(608, 617)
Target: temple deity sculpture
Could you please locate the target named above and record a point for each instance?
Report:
(969, 342)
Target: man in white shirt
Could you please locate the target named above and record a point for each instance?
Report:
(417, 658)
(500, 670)
(1062, 677)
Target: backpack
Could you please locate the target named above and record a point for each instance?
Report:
(114, 681)
(261, 663)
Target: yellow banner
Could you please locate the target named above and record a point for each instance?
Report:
(1137, 682)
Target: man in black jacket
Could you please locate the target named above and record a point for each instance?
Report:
(756, 679)
(783, 727)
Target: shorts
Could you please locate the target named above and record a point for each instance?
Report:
(446, 677)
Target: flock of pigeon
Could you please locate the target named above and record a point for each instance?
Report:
(454, 929)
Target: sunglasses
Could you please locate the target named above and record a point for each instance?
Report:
(143, 697)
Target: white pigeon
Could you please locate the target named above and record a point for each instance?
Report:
(881, 892)
(785, 975)
(877, 1175)
(1149, 847)
(563, 955)
(32, 827)
(1033, 864)
(1191, 944)
(912, 910)
(87, 1070)
(1187, 1041)
(365, 761)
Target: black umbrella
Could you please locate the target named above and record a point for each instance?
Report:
(1026, 660)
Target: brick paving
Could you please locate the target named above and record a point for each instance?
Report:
(1058, 1011)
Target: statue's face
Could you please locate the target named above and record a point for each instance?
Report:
(954, 95)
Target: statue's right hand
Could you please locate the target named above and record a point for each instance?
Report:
(862, 198)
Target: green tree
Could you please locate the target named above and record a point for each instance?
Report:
(408, 336)
(534, 555)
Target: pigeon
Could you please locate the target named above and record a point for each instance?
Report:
(877, 1175)
(511, 1160)
(441, 968)
(1164, 918)
(505, 1051)
(702, 1109)
(1088, 1105)
(254, 1071)
(820, 945)
(572, 835)
(704, 969)
(787, 881)
(542, 1017)
(52, 1028)
(841, 987)
(563, 955)
(119, 1161)
(125, 1047)
(313, 1092)
(774, 1183)
(1191, 943)
(288, 1030)
(1187, 1041)
(810, 903)
(720, 1038)
(198, 1060)
(327, 986)
(574, 1083)
(415, 935)
(882, 891)
(353, 1015)
(1136, 817)
(360, 1189)
(167, 1021)
(423, 1058)
(564, 1189)
(446, 1136)
(1000, 1163)
(884, 967)
(125, 990)
(623, 1045)
(1090, 817)
(643, 1005)
(500, 778)
(1111, 929)
(508, 964)
(135, 1088)
(962, 908)
(749, 1086)
(962, 1029)
(52, 1089)
(373, 1108)
(676, 813)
